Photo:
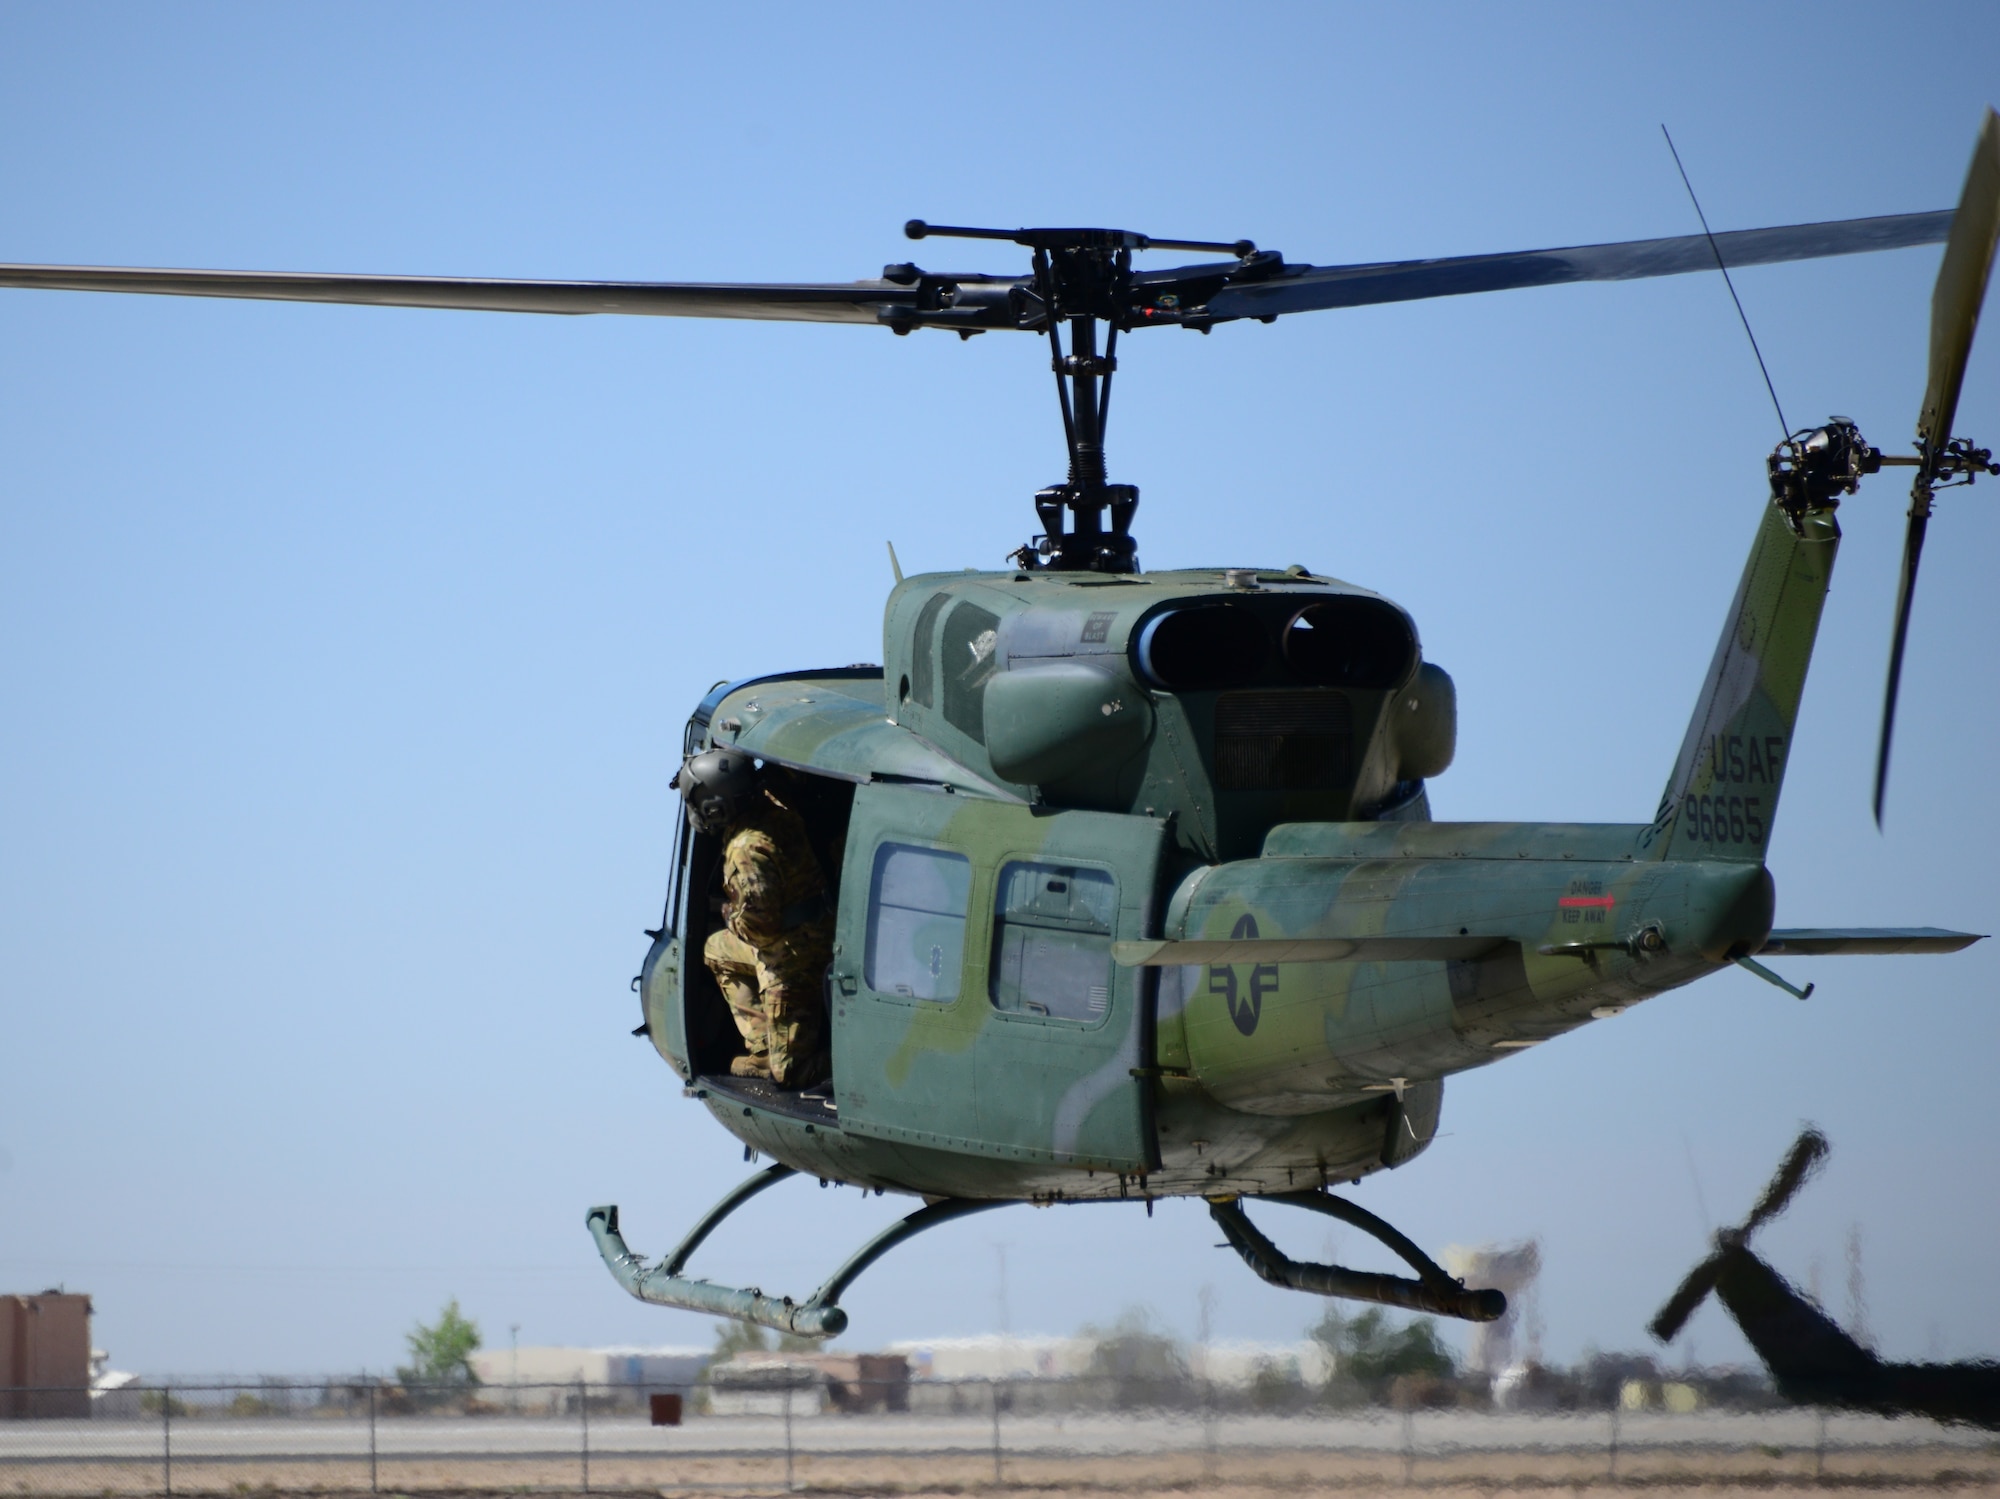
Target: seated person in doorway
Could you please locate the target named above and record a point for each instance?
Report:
(770, 955)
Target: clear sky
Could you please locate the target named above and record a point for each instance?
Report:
(345, 651)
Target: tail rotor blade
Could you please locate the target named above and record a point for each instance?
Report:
(1955, 303)
(1806, 1154)
(1961, 286)
(1906, 589)
(1668, 1321)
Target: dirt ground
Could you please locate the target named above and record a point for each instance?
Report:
(1229, 1475)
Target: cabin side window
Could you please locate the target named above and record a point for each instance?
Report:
(917, 903)
(1052, 927)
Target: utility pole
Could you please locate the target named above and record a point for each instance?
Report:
(1006, 1320)
(1857, 1290)
(1204, 1334)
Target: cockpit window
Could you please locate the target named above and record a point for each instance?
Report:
(968, 651)
(1349, 642)
(923, 664)
(1214, 645)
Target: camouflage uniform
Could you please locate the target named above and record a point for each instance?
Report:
(770, 956)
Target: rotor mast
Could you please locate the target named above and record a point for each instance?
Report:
(1081, 277)
(1083, 389)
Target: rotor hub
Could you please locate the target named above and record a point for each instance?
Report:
(1084, 277)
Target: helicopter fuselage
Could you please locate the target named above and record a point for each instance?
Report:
(1139, 893)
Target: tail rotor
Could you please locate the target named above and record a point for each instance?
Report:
(1943, 460)
(1806, 1155)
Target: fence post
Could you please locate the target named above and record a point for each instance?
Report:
(583, 1409)
(993, 1386)
(1613, 1474)
(167, 1438)
(371, 1437)
(1208, 1462)
(1819, 1449)
(788, 1437)
(1409, 1446)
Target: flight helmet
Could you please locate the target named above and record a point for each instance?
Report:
(716, 784)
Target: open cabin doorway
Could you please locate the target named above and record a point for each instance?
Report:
(825, 805)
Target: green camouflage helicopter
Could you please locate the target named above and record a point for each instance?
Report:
(1139, 894)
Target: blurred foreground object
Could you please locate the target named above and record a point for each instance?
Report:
(1812, 1361)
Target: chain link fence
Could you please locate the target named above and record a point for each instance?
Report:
(789, 1428)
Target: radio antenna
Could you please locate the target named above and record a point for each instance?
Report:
(1784, 427)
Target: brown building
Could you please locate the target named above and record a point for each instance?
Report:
(44, 1355)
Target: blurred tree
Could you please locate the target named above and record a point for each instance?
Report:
(1134, 1360)
(441, 1353)
(1373, 1352)
(732, 1338)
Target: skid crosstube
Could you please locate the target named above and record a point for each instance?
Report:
(818, 1316)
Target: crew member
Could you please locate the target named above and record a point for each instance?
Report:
(771, 954)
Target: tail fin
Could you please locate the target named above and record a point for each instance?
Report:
(1722, 798)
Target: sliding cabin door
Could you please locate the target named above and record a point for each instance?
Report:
(974, 1001)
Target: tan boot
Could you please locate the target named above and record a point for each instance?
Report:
(750, 1066)
(798, 1049)
(805, 1071)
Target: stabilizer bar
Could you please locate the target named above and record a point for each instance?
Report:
(1434, 1292)
(819, 1316)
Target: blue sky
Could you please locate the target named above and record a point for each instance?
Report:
(345, 651)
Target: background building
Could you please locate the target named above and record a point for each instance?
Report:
(44, 1355)
(662, 1369)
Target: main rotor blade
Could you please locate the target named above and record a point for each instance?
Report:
(983, 301)
(1669, 1319)
(855, 302)
(1314, 288)
(1906, 593)
(1961, 285)
(1806, 1154)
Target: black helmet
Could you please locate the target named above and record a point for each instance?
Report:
(715, 784)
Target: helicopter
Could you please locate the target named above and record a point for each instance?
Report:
(1812, 1360)
(1138, 894)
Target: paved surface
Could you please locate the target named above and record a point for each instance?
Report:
(208, 1439)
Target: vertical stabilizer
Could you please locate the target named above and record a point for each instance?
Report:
(1722, 798)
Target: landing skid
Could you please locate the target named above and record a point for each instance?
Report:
(1433, 1291)
(821, 1316)
(818, 1316)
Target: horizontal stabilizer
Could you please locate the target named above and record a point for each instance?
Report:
(1304, 950)
(1818, 941)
